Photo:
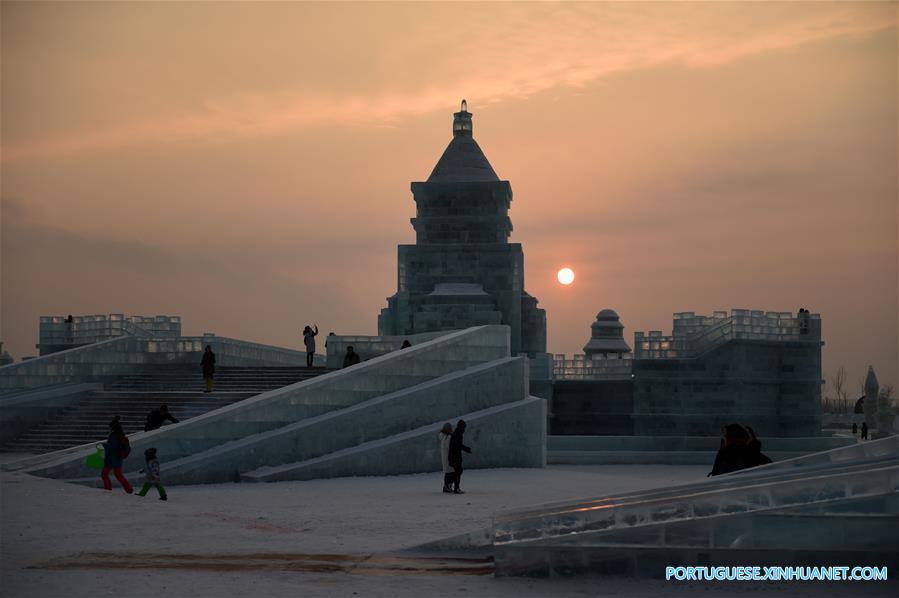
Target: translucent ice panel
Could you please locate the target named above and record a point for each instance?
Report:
(776, 488)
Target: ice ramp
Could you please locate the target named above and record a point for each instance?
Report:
(837, 507)
(312, 447)
(671, 450)
(507, 435)
(449, 377)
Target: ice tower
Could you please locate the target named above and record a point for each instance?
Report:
(462, 270)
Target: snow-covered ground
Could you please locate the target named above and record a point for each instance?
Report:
(318, 538)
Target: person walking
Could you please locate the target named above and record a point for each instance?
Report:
(152, 472)
(208, 365)
(157, 417)
(854, 429)
(444, 438)
(455, 455)
(864, 430)
(309, 341)
(351, 357)
(117, 449)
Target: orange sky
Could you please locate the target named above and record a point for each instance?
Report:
(247, 165)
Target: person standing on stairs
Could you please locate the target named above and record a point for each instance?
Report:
(117, 449)
(455, 455)
(208, 365)
(444, 438)
(309, 341)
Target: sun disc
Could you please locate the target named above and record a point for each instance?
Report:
(566, 276)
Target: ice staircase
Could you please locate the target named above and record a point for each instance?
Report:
(131, 397)
(253, 379)
(712, 337)
(835, 507)
(377, 418)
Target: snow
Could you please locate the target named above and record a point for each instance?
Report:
(334, 537)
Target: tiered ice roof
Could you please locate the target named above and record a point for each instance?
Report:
(462, 160)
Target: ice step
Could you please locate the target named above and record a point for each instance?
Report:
(87, 421)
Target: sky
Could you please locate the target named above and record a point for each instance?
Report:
(247, 165)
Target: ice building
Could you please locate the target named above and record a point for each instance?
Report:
(762, 369)
(462, 270)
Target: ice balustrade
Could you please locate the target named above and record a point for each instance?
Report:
(872, 525)
(82, 330)
(851, 482)
(369, 347)
(884, 448)
(127, 354)
(597, 367)
(228, 351)
(843, 475)
(872, 452)
(693, 335)
(521, 523)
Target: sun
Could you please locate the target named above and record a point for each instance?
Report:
(566, 276)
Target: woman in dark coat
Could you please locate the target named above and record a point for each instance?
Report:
(208, 365)
(116, 449)
(309, 342)
(455, 455)
(739, 449)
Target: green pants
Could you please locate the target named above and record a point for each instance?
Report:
(146, 488)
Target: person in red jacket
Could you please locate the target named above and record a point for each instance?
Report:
(117, 449)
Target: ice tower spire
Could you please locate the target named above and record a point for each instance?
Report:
(462, 121)
(463, 160)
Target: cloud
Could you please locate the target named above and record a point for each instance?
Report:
(25, 240)
(264, 262)
(501, 52)
(248, 291)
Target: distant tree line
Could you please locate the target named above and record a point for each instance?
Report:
(835, 397)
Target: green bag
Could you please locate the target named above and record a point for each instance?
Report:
(96, 460)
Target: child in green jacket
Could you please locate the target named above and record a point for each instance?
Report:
(152, 471)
